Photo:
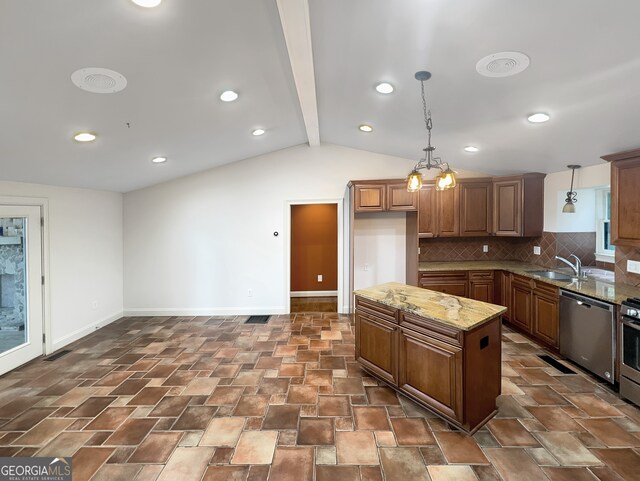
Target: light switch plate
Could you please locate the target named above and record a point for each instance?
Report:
(536, 250)
(485, 248)
(633, 266)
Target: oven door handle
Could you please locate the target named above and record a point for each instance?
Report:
(631, 324)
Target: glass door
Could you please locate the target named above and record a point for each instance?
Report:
(21, 318)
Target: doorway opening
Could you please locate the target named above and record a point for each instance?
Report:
(314, 258)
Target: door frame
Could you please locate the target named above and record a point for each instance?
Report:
(287, 247)
(43, 204)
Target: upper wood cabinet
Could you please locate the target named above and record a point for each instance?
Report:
(476, 196)
(625, 201)
(438, 212)
(427, 211)
(518, 205)
(382, 195)
(369, 198)
(398, 198)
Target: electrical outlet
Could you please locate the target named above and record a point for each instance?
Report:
(249, 292)
(485, 248)
(366, 267)
(536, 250)
(418, 250)
(633, 266)
(94, 305)
(319, 277)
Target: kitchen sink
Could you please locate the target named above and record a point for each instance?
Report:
(556, 276)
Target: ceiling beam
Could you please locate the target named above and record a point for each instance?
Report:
(294, 17)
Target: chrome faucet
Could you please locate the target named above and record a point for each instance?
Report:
(577, 269)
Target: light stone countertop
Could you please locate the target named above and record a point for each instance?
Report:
(459, 312)
(595, 286)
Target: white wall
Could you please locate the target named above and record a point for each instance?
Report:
(196, 245)
(556, 186)
(379, 249)
(85, 257)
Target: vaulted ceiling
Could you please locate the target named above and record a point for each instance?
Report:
(301, 86)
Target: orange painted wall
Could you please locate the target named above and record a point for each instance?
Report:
(314, 247)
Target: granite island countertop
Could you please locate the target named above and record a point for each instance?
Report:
(459, 312)
(596, 287)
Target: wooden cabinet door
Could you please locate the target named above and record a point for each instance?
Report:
(481, 290)
(625, 202)
(507, 207)
(377, 346)
(475, 208)
(431, 371)
(369, 198)
(545, 318)
(398, 198)
(448, 204)
(505, 293)
(521, 306)
(427, 211)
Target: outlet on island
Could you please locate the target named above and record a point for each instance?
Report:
(319, 277)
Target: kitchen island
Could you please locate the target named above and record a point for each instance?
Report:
(442, 351)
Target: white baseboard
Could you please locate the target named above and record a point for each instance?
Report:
(314, 293)
(80, 333)
(207, 311)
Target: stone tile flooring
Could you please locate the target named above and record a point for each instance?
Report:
(214, 399)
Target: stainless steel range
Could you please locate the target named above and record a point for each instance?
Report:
(630, 351)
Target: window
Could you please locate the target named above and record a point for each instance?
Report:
(605, 251)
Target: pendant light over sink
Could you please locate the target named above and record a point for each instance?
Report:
(446, 179)
(570, 201)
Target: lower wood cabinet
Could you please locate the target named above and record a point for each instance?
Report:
(481, 286)
(453, 372)
(546, 323)
(454, 283)
(476, 285)
(521, 303)
(535, 308)
(431, 371)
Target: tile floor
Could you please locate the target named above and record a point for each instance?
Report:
(213, 399)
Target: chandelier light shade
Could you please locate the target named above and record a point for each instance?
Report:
(570, 201)
(446, 179)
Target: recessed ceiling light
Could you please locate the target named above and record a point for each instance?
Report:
(159, 160)
(366, 128)
(84, 137)
(384, 88)
(257, 132)
(538, 118)
(228, 96)
(471, 148)
(147, 3)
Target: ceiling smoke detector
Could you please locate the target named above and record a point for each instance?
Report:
(502, 64)
(99, 80)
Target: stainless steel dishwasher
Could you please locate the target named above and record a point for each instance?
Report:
(588, 333)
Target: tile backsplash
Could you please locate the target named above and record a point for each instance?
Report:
(624, 254)
(551, 244)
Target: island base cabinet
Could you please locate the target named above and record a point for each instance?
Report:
(377, 346)
(431, 371)
(453, 372)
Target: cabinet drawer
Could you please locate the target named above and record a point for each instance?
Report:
(547, 290)
(523, 282)
(444, 275)
(433, 329)
(377, 310)
(481, 275)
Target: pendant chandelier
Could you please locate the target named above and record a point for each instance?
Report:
(446, 179)
(570, 201)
